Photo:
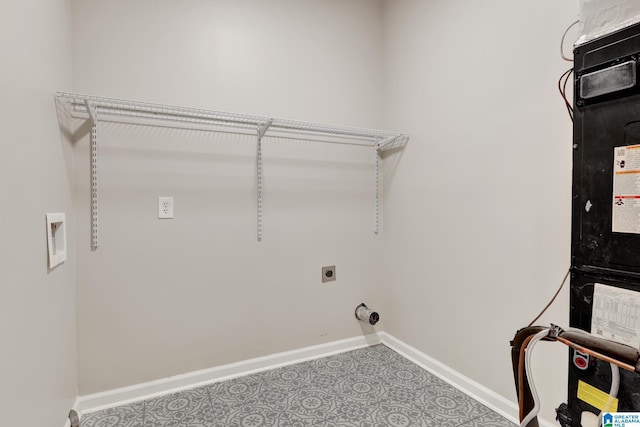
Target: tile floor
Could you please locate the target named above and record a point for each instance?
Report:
(369, 387)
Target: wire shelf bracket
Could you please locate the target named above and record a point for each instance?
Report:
(100, 109)
(93, 116)
(261, 131)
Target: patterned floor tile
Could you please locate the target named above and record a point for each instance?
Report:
(257, 390)
(240, 391)
(339, 364)
(368, 387)
(245, 416)
(309, 404)
(292, 376)
(121, 416)
(491, 419)
(356, 386)
(187, 408)
(409, 375)
(376, 353)
(448, 406)
(354, 413)
(254, 400)
(409, 398)
(396, 414)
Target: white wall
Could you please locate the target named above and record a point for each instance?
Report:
(477, 207)
(37, 314)
(160, 298)
(476, 224)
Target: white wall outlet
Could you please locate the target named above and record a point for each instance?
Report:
(165, 207)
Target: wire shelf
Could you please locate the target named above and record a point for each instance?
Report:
(100, 108)
(78, 104)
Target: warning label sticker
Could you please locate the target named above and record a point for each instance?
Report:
(596, 397)
(626, 190)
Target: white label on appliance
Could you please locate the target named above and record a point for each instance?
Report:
(625, 216)
(616, 314)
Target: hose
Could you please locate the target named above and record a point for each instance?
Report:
(618, 355)
(522, 378)
(613, 391)
(534, 393)
(519, 343)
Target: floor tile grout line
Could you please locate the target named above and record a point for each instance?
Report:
(422, 412)
(213, 412)
(471, 420)
(484, 415)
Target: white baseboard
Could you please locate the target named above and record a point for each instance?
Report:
(134, 393)
(482, 394)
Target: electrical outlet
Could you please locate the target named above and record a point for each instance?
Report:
(328, 273)
(165, 207)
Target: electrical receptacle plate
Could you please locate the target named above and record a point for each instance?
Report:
(165, 207)
(328, 273)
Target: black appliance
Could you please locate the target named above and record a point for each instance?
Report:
(605, 242)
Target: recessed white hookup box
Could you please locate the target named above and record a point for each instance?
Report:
(56, 238)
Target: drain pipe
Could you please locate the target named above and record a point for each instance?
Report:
(364, 314)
